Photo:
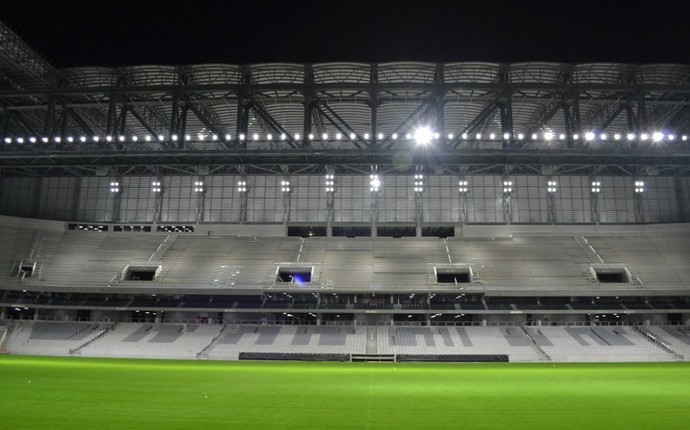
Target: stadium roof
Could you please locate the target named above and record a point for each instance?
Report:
(486, 117)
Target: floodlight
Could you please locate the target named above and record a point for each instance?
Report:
(548, 135)
(380, 136)
(561, 136)
(161, 137)
(146, 138)
(603, 136)
(228, 137)
(394, 136)
(269, 136)
(366, 135)
(255, 136)
(8, 140)
(506, 136)
(521, 136)
(241, 136)
(684, 138)
(422, 135)
(671, 137)
(375, 183)
(121, 138)
(352, 136)
(57, 139)
(200, 136)
(451, 135)
(70, 139)
(324, 136)
(311, 136)
(464, 135)
(110, 138)
(617, 136)
(96, 138)
(296, 136)
(32, 139)
(534, 136)
(492, 136)
(134, 138)
(214, 137)
(644, 136)
(589, 136)
(657, 136)
(283, 136)
(576, 136)
(174, 137)
(630, 136)
(338, 136)
(437, 135)
(408, 136)
(19, 140)
(478, 136)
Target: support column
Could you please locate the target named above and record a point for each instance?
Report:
(158, 202)
(200, 190)
(682, 204)
(596, 189)
(116, 184)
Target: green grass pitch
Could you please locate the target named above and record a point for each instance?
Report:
(77, 393)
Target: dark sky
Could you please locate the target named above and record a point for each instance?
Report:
(128, 32)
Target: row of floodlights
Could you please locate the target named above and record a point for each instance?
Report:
(375, 185)
(422, 136)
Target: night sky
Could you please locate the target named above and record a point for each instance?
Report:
(122, 33)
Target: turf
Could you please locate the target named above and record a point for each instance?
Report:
(77, 393)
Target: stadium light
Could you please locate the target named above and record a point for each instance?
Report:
(338, 136)
(109, 138)
(44, 139)
(228, 137)
(255, 136)
(596, 187)
(552, 187)
(422, 135)
(134, 138)
(657, 136)
(521, 136)
(285, 186)
(644, 136)
(32, 139)
(507, 187)
(366, 135)
(463, 186)
(311, 136)
(630, 136)
(214, 137)
(506, 136)
(478, 136)
(70, 139)
(617, 136)
(324, 136)
(174, 138)
(242, 137)
(161, 137)
(269, 136)
(639, 187)
(451, 135)
(352, 136)
(561, 136)
(464, 136)
(296, 136)
(19, 140)
(492, 136)
(146, 138)
(671, 137)
(121, 138)
(242, 186)
(114, 187)
(534, 136)
(8, 140)
(548, 136)
(330, 183)
(156, 187)
(603, 136)
(283, 136)
(198, 187)
(589, 136)
(419, 183)
(394, 136)
(379, 136)
(684, 138)
(374, 183)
